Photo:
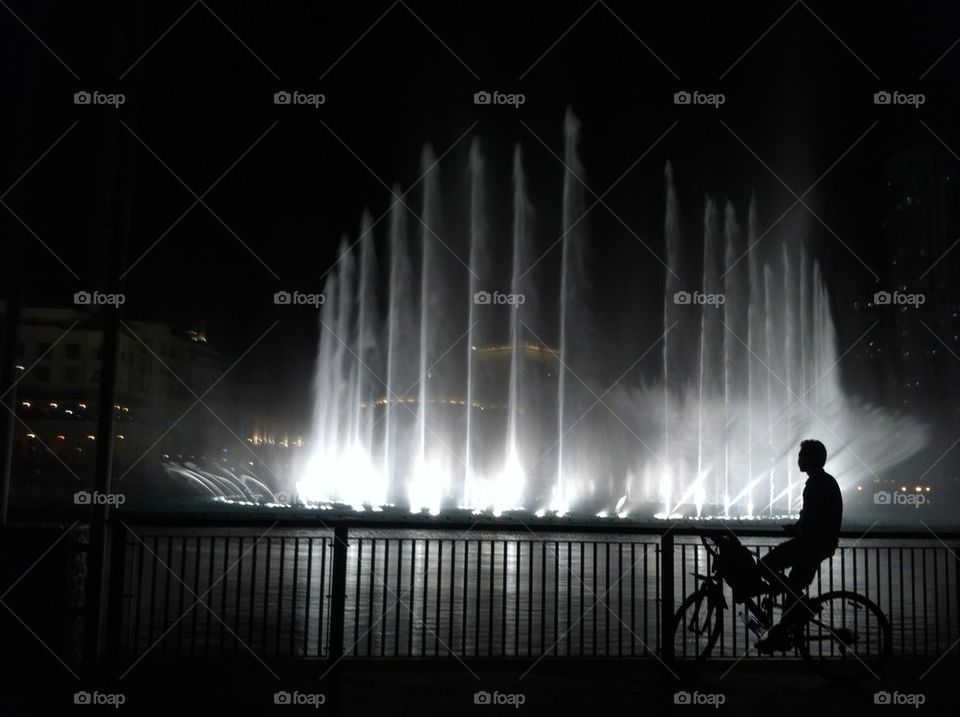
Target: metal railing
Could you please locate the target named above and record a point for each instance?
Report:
(368, 589)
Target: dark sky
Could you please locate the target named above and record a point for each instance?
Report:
(199, 81)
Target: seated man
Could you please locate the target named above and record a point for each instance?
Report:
(817, 534)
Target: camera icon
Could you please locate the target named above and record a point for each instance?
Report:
(81, 497)
(282, 497)
(681, 297)
(82, 98)
(82, 698)
(481, 297)
(881, 698)
(681, 698)
(682, 98)
(882, 298)
(282, 98)
(482, 698)
(282, 297)
(882, 98)
(881, 497)
(82, 298)
(481, 98)
(281, 698)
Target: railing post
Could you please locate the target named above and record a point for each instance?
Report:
(338, 589)
(116, 578)
(666, 596)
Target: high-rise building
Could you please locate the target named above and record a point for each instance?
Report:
(920, 228)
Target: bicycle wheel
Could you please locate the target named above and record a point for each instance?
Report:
(697, 625)
(847, 637)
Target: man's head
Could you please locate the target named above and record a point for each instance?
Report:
(813, 456)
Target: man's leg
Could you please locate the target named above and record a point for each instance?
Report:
(801, 575)
(781, 557)
(791, 554)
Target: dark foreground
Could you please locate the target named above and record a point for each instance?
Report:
(445, 687)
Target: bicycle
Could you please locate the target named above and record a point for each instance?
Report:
(841, 634)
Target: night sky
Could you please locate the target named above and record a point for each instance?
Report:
(199, 81)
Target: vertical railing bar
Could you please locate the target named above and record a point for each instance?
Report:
(181, 575)
(530, 598)
(371, 594)
(436, 641)
(426, 592)
(620, 599)
(139, 601)
(476, 618)
(322, 597)
(166, 591)
(413, 595)
(646, 588)
(543, 596)
(666, 596)
(306, 597)
(503, 602)
(223, 591)
(466, 592)
(396, 616)
(569, 595)
(266, 591)
(516, 596)
(383, 607)
(593, 587)
(253, 590)
(556, 598)
(658, 553)
(356, 598)
(926, 607)
(936, 598)
(490, 606)
(453, 576)
(238, 596)
(293, 593)
(903, 616)
(913, 597)
(338, 590)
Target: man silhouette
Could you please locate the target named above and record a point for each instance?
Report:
(817, 534)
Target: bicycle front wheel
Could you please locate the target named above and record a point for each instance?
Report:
(697, 625)
(846, 636)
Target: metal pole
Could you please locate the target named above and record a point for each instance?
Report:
(338, 590)
(8, 377)
(666, 596)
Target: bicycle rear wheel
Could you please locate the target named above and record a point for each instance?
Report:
(847, 638)
(697, 625)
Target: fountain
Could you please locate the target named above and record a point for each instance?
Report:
(453, 399)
